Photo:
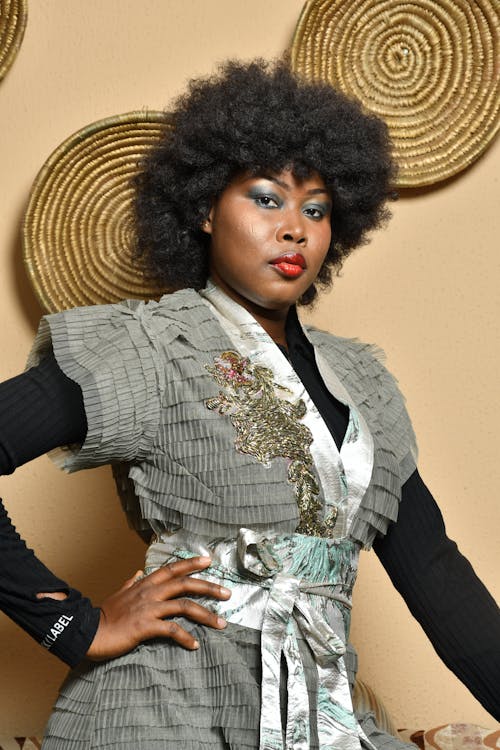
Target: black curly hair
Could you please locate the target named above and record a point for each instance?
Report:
(258, 117)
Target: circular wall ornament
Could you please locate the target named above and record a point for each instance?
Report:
(78, 227)
(429, 68)
(13, 16)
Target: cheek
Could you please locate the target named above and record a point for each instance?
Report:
(230, 231)
(324, 239)
(327, 229)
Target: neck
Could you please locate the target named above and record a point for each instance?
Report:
(273, 326)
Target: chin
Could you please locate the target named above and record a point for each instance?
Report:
(288, 293)
(278, 302)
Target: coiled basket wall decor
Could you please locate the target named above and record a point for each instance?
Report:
(429, 68)
(13, 17)
(78, 230)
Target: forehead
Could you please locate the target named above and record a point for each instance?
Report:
(286, 179)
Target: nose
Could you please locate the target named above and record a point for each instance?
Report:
(292, 228)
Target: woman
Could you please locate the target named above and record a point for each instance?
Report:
(275, 451)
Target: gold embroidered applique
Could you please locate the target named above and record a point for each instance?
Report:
(269, 427)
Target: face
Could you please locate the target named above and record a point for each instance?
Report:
(269, 238)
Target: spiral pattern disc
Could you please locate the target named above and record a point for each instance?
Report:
(13, 15)
(78, 227)
(429, 68)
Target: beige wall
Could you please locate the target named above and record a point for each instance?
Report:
(426, 291)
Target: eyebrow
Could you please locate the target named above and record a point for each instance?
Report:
(285, 186)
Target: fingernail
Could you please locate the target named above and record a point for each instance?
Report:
(196, 644)
(204, 559)
(224, 591)
(221, 623)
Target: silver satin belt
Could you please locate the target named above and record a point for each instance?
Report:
(283, 586)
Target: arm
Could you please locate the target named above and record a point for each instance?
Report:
(38, 411)
(443, 593)
(41, 410)
(65, 627)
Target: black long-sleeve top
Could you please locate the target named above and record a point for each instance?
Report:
(42, 409)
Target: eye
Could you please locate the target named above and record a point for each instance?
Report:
(263, 197)
(266, 201)
(315, 212)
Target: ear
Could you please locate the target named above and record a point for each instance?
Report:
(206, 225)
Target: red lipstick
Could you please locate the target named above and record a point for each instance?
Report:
(290, 264)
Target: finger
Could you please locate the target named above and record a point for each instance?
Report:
(189, 609)
(171, 629)
(179, 568)
(189, 585)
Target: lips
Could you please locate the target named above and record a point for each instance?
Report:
(290, 264)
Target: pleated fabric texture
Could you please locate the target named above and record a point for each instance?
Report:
(162, 696)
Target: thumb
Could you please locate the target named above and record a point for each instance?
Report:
(130, 581)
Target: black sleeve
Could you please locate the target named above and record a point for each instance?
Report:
(40, 410)
(443, 593)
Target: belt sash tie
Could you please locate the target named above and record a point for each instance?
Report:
(270, 593)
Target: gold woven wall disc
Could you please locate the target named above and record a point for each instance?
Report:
(429, 68)
(78, 227)
(13, 16)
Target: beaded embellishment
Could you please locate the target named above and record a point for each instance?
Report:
(268, 427)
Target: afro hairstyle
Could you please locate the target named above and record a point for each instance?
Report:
(257, 117)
